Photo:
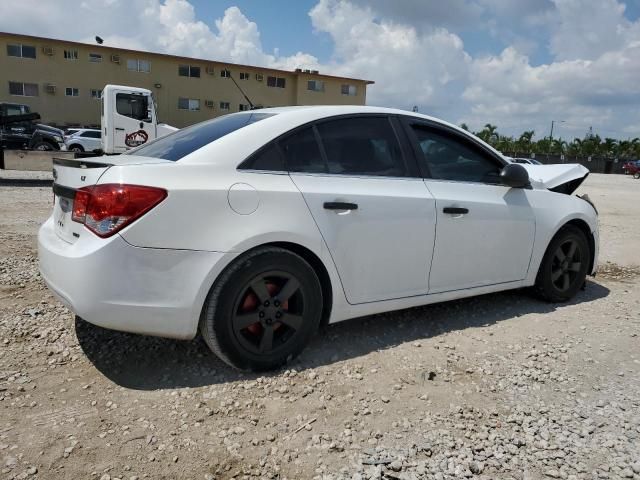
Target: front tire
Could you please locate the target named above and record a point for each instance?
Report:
(43, 147)
(564, 266)
(76, 148)
(263, 309)
(636, 175)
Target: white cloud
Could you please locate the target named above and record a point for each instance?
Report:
(412, 49)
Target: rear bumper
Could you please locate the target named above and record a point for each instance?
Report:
(115, 285)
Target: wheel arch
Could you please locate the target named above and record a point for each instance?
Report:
(307, 254)
(584, 227)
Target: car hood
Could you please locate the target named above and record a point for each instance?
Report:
(51, 130)
(565, 177)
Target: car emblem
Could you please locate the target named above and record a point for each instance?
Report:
(55, 174)
(83, 178)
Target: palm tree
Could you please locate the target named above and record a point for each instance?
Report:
(488, 133)
(524, 142)
(558, 146)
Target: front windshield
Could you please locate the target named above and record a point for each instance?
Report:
(181, 143)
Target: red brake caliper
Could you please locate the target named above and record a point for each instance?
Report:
(250, 303)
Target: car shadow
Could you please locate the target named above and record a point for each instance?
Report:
(150, 363)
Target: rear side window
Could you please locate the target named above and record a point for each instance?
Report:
(268, 158)
(302, 153)
(183, 142)
(362, 146)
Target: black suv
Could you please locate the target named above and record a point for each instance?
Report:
(27, 133)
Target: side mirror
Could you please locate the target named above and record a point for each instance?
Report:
(514, 175)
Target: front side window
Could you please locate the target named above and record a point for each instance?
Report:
(23, 89)
(362, 146)
(24, 51)
(302, 153)
(133, 106)
(449, 157)
(71, 92)
(181, 143)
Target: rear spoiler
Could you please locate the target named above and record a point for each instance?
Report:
(79, 163)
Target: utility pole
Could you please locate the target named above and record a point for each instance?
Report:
(552, 123)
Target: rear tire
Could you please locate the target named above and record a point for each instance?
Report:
(76, 148)
(636, 175)
(564, 266)
(263, 309)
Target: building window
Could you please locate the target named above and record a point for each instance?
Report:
(225, 73)
(243, 107)
(95, 57)
(244, 75)
(224, 106)
(71, 54)
(191, 104)
(71, 92)
(188, 71)
(278, 82)
(350, 90)
(135, 65)
(96, 93)
(23, 89)
(315, 85)
(24, 51)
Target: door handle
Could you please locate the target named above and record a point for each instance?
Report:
(121, 129)
(141, 125)
(455, 210)
(340, 206)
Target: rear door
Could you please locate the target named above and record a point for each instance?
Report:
(372, 208)
(133, 120)
(485, 229)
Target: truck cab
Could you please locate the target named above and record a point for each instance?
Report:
(129, 118)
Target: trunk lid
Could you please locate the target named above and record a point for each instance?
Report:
(71, 174)
(561, 178)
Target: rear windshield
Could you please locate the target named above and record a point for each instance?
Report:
(181, 143)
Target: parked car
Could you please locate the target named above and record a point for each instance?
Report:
(84, 140)
(526, 161)
(631, 167)
(256, 227)
(27, 134)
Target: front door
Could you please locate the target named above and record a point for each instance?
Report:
(133, 120)
(485, 230)
(375, 214)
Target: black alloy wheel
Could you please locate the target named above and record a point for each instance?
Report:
(263, 309)
(563, 269)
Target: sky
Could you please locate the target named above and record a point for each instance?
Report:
(515, 64)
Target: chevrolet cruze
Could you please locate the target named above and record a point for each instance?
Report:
(256, 227)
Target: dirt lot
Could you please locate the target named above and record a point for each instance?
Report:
(500, 386)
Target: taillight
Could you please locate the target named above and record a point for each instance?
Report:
(108, 208)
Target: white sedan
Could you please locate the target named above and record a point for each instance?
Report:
(254, 228)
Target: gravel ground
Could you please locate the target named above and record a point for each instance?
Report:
(496, 387)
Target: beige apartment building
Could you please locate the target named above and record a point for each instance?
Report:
(63, 81)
